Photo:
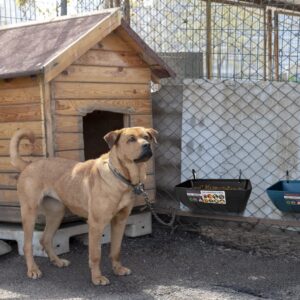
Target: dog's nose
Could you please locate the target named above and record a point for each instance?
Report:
(146, 146)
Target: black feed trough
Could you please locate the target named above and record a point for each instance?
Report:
(225, 195)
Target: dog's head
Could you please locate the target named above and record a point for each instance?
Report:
(133, 143)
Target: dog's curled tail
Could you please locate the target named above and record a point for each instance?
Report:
(15, 157)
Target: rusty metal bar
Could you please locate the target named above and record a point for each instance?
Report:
(240, 3)
(276, 46)
(288, 13)
(265, 43)
(208, 40)
(269, 28)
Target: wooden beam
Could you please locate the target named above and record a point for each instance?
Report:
(283, 5)
(127, 9)
(253, 220)
(288, 13)
(9, 179)
(48, 111)
(17, 83)
(140, 201)
(9, 128)
(80, 46)
(113, 43)
(126, 120)
(83, 107)
(10, 213)
(24, 95)
(239, 3)
(77, 155)
(25, 147)
(8, 197)
(18, 113)
(6, 166)
(141, 120)
(155, 79)
(111, 59)
(68, 141)
(150, 166)
(278, 4)
(87, 90)
(94, 74)
(64, 124)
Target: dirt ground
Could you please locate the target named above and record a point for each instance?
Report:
(165, 265)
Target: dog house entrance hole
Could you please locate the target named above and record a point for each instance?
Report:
(95, 126)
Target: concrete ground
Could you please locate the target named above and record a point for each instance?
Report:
(182, 265)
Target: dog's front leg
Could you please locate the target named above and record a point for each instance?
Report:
(118, 224)
(95, 235)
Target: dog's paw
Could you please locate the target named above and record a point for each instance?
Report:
(100, 280)
(60, 263)
(34, 273)
(121, 271)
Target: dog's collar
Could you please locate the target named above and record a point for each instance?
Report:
(138, 189)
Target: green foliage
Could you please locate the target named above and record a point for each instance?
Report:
(21, 2)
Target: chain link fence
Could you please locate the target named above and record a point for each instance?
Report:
(234, 104)
(12, 12)
(242, 115)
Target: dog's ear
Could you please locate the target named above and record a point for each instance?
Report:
(112, 138)
(153, 134)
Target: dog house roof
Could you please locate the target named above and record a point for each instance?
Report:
(49, 47)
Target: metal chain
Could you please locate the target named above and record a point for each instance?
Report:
(149, 204)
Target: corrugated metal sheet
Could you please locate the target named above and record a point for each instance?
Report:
(25, 49)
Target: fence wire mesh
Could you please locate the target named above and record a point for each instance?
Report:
(11, 12)
(243, 112)
(234, 104)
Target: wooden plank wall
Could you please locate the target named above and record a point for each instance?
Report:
(20, 107)
(111, 77)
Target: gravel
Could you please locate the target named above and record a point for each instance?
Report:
(165, 265)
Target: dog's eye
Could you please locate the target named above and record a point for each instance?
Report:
(146, 137)
(132, 139)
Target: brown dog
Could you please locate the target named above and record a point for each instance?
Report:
(93, 189)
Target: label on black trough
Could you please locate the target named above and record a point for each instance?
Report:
(210, 197)
(292, 199)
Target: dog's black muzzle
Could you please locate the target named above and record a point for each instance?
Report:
(145, 155)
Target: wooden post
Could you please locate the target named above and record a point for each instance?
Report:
(208, 40)
(47, 110)
(127, 11)
(63, 7)
(276, 46)
(270, 44)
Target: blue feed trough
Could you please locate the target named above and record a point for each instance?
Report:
(285, 195)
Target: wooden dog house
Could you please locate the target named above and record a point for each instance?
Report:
(71, 80)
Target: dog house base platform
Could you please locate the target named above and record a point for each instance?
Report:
(137, 225)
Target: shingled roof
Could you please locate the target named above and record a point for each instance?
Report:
(49, 47)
